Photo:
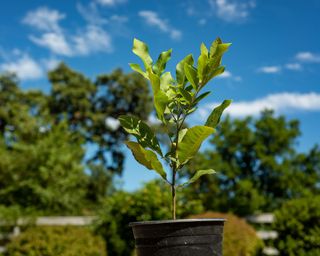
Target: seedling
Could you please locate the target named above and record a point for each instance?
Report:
(174, 100)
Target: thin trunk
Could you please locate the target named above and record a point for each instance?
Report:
(173, 193)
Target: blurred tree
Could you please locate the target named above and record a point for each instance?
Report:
(91, 109)
(298, 225)
(40, 163)
(257, 164)
(42, 138)
(45, 175)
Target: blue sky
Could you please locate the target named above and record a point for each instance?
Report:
(274, 60)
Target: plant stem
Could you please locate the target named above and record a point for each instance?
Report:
(173, 193)
(174, 166)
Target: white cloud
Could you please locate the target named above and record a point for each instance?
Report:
(93, 39)
(232, 10)
(153, 19)
(24, 67)
(118, 18)
(269, 69)
(228, 75)
(90, 39)
(51, 63)
(308, 57)
(55, 42)
(91, 14)
(293, 66)
(280, 103)
(300, 58)
(110, 2)
(44, 19)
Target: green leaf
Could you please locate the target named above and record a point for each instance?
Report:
(181, 134)
(137, 68)
(147, 158)
(197, 175)
(186, 95)
(192, 141)
(165, 81)
(202, 96)
(162, 61)
(161, 101)
(214, 46)
(155, 82)
(216, 72)
(217, 49)
(141, 131)
(141, 49)
(222, 48)
(214, 118)
(202, 67)
(192, 110)
(203, 49)
(202, 63)
(180, 74)
(191, 74)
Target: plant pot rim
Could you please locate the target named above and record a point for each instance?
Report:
(159, 222)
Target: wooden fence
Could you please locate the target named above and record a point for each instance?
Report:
(262, 220)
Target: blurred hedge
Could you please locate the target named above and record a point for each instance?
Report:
(56, 241)
(240, 239)
(298, 225)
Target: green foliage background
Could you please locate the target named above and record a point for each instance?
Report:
(43, 137)
(298, 225)
(56, 241)
(258, 166)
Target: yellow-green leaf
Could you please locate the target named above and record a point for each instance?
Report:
(186, 95)
(202, 96)
(147, 158)
(216, 72)
(191, 142)
(202, 67)
(155, 82)
(165, 81)
(191, 74)
(181, 134)
(160, 101)
(141, 49)
(214, 46)
(163, 58)
(214, 118)
(198, 174)
(137, 68)
(203, 49)
(217, 49)
(180, 74)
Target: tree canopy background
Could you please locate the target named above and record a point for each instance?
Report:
(258, 166)
(43, 138)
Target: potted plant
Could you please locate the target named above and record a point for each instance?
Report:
(174, 100)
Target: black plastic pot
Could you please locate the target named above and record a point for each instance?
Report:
(188, 237)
